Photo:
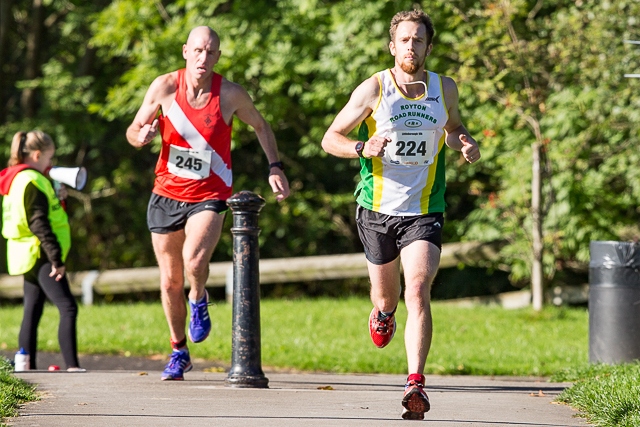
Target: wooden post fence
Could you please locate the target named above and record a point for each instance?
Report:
(275, 270)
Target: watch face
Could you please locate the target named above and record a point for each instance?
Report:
(359, 148)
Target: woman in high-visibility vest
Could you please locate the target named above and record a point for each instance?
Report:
(38, 235)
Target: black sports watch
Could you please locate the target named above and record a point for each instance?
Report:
(360, 148)
(279, 165)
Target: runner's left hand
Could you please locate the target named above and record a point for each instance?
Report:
(279, 184)
(470, 150)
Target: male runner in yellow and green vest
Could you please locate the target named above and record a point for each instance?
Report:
(38, 241)
(406, 115)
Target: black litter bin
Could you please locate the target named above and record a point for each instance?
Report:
(614, 302)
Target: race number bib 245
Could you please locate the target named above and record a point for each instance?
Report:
(189, 163)
(411, 147)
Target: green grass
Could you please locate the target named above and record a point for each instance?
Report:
(13, 391)
(329, 335)
(332, 335)
(607, 395)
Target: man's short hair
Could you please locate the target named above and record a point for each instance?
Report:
(412, 16)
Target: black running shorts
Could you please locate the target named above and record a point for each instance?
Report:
(384, 236)
(166, 215)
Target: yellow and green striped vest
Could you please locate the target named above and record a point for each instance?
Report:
(410, 188)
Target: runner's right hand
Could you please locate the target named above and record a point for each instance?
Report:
(148, 132)
(375, 146)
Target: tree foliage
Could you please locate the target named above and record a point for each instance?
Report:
(558, 72)
(525, 70)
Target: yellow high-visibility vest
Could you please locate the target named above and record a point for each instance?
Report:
(23, 247)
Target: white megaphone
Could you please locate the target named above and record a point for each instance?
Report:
(73, 177)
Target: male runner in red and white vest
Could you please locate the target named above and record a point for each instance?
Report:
(194, 180)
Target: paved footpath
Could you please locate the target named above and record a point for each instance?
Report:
(138, 398)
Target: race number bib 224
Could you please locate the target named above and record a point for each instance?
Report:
(411, 147)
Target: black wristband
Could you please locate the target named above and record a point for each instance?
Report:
(279, 165)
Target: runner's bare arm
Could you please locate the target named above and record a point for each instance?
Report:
(458, 137)
(144, 126)
(246, 111)
(361, 104)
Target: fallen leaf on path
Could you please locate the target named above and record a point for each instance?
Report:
(214, 369)
(325, 387)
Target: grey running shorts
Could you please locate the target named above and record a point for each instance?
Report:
(384, 236)
(166, 215)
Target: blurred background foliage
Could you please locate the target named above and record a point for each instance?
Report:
(525, 69)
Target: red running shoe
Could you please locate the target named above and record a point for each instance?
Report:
(381, 331)
(415, 400)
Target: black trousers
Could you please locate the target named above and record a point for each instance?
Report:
(38, 286)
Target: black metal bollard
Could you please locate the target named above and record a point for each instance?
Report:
(246, 369)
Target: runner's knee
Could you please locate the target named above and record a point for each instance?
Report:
(418, 294)
(196, 266)
(172, 284)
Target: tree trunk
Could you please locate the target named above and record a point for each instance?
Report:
(86, 63)
(537, 284)
(32, 63)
